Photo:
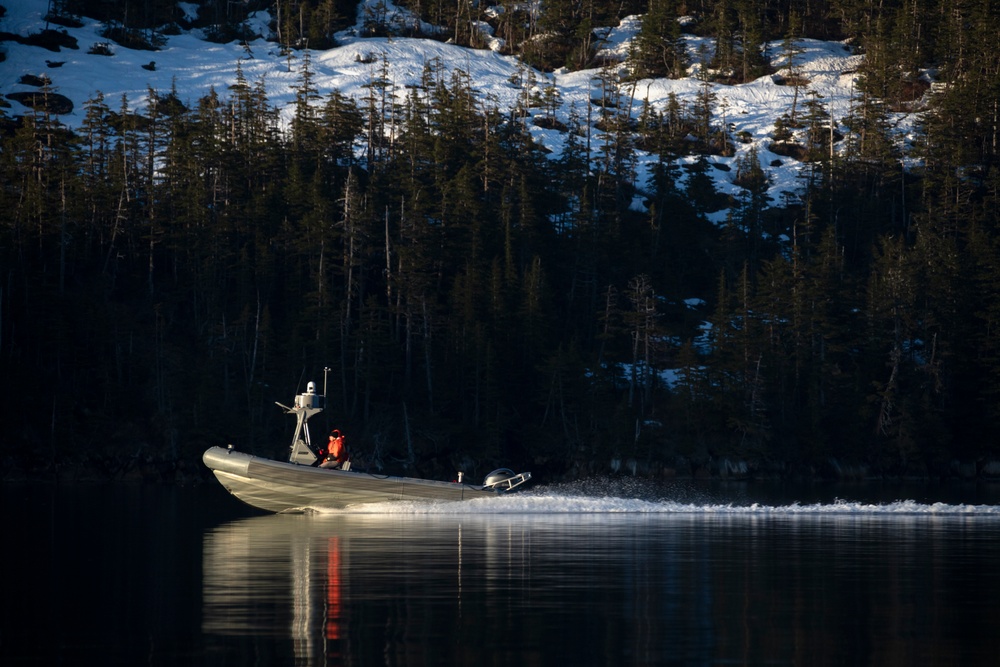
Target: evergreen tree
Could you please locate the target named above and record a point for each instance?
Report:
(792, 52)
(753, 60)
(724, 29)
(659, 49)
(747, 219)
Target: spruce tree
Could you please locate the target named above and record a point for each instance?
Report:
(659, 49)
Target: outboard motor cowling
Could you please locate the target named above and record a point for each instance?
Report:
(497, 476)
(504, 479)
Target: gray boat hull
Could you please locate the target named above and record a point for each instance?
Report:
(276, 486)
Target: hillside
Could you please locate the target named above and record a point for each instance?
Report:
(778, 261)
(190, 66)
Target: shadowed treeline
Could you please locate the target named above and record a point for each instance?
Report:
(169, 272)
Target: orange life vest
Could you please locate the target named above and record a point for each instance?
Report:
(337, 450)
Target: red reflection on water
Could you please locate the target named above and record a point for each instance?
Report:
(333, 591)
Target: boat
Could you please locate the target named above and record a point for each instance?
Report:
(301, 485)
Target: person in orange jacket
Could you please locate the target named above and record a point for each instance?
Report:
(336, 452)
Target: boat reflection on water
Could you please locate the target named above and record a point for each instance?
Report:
(277, 577)
(330, 586)
(698, 587)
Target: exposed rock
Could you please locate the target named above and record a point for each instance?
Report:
(51, 102)
(37, 81)
(53, 40)
(788, 149)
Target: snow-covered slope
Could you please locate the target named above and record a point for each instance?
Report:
(193, 65)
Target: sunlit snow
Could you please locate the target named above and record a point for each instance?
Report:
(192, 66)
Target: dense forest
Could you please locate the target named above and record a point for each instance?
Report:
(172, 270)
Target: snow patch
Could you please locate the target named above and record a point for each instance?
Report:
(194, 67)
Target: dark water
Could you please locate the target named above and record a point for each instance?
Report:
(128, 575)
